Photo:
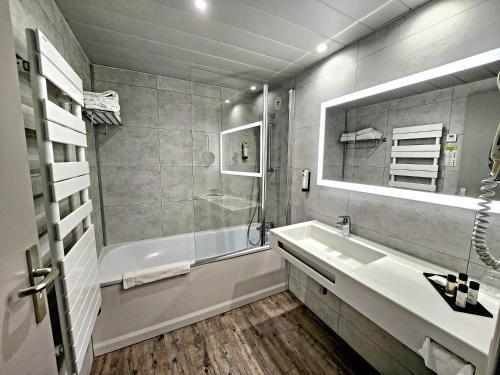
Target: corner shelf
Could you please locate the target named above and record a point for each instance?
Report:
(101, 117)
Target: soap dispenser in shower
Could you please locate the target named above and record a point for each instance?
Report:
(244, 150)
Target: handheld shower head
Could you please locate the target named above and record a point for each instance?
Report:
(494, 162)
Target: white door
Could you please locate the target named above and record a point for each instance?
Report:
(26, 347)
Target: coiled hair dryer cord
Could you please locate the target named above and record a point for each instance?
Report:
(480, 231)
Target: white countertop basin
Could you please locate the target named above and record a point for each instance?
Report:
(388, 287)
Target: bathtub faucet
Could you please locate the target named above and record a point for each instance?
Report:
(269, 225)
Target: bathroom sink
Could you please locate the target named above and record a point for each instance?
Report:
(329, 244)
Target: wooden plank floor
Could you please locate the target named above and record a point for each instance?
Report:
(276, 335)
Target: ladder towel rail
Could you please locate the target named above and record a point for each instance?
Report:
(77, 287)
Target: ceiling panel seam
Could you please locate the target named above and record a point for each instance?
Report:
(216, 22)
(70, 19)
(174, 46)
(192, 64)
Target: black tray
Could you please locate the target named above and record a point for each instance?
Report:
(476, 309)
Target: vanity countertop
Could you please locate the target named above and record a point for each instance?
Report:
(397, 277)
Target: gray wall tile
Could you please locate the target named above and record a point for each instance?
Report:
(176, 148)
(409, 359)
(176, 183)
(202, 89)
(206, 114)
(207, 215)
(369, 350)
(206, 179)
(174, 110)
(305, 148)
(133, 222)
(178, 217)
(129, 146)
(173, 84)
(129, 77)
(441, 228)
(130, 185)
(206, 149)
(316, 305)
(138, 105)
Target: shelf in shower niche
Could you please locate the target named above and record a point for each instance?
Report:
(229, 202)
(477, 309)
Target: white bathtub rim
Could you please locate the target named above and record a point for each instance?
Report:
(116, 278)
(122, 341)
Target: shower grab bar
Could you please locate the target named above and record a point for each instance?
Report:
(269, 143)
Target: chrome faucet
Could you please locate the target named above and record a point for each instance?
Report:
(344, 224)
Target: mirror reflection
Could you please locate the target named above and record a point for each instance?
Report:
(240, 150)
(436, 140)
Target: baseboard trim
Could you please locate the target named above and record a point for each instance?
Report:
(119, 342)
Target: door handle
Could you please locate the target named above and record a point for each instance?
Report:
(50, 276)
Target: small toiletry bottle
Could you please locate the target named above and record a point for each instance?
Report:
(451, 285)
(462, 278)
(473, 292)
(461, 297)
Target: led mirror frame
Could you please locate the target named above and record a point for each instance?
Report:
(428, 197)
(234, 130)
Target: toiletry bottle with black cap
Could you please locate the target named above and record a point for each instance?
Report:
(473, 293)
(461, 297)
(451, 285)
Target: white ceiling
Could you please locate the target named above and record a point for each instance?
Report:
(232, 43)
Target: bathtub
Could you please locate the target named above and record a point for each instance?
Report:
(210, 288)
(115, 260)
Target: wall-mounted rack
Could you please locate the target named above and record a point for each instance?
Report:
(377, 140)
(101, 117)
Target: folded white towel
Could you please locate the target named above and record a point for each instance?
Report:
(348, 137)
(442, 361)
(108, 100)
(373, 134)
(363, 131)
(135, 278)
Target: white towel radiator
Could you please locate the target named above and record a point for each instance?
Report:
(77, 287)
(416, 153)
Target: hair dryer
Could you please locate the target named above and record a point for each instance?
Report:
(480, 231)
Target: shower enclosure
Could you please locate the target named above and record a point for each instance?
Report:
(245, 194)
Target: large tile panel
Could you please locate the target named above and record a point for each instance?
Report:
(176, 148)
(176, 184)
(174, 110)
(178, 217)
(129, 146)
(130, 185)
(138, 105)
(133, 222)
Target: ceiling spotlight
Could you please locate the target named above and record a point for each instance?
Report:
(322, 47)
(200, 4)
(227, 101)
(253, 87)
